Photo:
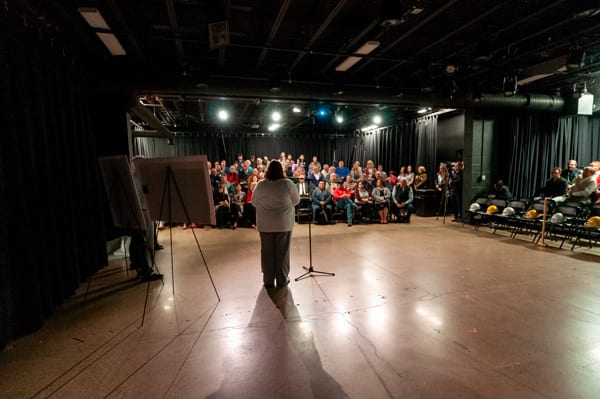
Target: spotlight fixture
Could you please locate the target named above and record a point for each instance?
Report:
(272, 127)
(509, 85)
(296, 109)
(322, 112)
(276, 116)
(377, 119)
(339, 118)
(223, 115)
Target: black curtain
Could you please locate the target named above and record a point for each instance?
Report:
(51, 235)
(536, 143)
(408, 143)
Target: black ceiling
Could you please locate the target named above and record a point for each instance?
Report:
(280, 53)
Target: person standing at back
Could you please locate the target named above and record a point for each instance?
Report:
(274, 199)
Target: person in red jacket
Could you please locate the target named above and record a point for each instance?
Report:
(343, 200)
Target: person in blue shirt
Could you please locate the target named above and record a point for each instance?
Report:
(342, 171)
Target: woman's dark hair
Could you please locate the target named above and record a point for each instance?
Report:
(274, 171)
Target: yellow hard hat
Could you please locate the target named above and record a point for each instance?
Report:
(532, 214)
(491, 209)
(594, 221)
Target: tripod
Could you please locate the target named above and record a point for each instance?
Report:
(310, 269)
(443, 203)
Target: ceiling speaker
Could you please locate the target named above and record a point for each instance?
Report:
(218, 34)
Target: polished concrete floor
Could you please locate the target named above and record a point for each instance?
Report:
(426, 310)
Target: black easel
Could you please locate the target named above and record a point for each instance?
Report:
(310, 269)
(170, 178)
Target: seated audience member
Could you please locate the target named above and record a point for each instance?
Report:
(244, 172)
(382, 172)
(596, 166)
(402, 174)
(343, 200)
(556, 187)
(333, 183)
(583, 187)
(392, 177)
(215, 179)
(341, 170)
(325, 173)
(321, 200)
(229, 187)
(402, 198)
(299, 172)
(313, 163)
(316, 176)
(350, 184)
(369, 168)
(233, 176)
(499, 190)
(288, 169)
(368, 181)
(364, 201)
(410, 176)
(571, 173)
(356, 172)
(237, 205)
(381, 199)
(304, 190)
(222, 208)
(421, 178)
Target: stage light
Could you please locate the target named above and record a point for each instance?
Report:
(296, 109)
(272, 127)
(339, 118)
(223, 115)
(276, 116)
(322, 112)
(377, 119)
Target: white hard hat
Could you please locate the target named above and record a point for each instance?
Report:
(557, 218)
(474, 207)
(508, 211)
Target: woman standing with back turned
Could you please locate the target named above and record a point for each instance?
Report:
(274, 199)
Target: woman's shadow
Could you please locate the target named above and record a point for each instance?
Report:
(283, 361)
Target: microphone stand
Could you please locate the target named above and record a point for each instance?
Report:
(310, 269)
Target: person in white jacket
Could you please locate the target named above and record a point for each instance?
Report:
(274, 199)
